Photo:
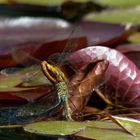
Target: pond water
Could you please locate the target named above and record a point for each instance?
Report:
(18, 134)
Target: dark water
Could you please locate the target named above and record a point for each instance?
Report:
(19, 134)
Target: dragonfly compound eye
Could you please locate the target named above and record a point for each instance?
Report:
(52, 72)
(49, 71)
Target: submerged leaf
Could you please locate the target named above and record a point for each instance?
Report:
(55, 128)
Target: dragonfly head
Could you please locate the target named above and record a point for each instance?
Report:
(52, 72)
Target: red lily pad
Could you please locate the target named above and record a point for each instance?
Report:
(106, 34)
(132, 51)
(36, 39)
(22, 85)
(22, 96)
(121, 79)
(15, 31)
(35, 36)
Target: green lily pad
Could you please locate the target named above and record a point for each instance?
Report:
(121, 16)
(102, 124)
(42, 2)
(134, 38)
(55, 128)
(28, 77)
(36, 79)
(88, 130)
(15, 89)
(32, 76)
(10, 81)
(119, 3)
(105, 134)
(131, 125)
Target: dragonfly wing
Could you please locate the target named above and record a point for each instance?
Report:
(23, 57)
(30, 112)
(72, 44)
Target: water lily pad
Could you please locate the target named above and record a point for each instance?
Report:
(123, 16)
(43, 2)
(134, 38)
(20, 85)
(88, 130)
(55, 128)
(9, 81)
(105, 134)
(131, 125)
(28, 77)
(104, 130)
(132, 51)
(119, 3)
(102, 124)
(96, 33)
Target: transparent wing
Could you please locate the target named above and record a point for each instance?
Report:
(31, 69)
(23, 57)
(72, 44)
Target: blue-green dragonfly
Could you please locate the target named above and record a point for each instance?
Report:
(31, 111)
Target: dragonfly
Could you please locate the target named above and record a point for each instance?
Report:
(53, 72)
(58, 78)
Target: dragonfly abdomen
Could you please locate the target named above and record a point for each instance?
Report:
(62, 91)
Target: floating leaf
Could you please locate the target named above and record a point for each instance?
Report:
(36, 39)
(104, 134)
(132, 51)
(96, 33)
(20, 85)
(119, 3)
(10, 81)
(121, 16)
(31, 35)
(134, 38)
(131, 125)
(29, 76)
(55, 128)
(23, 29)
(43, 2)
(102, 124)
